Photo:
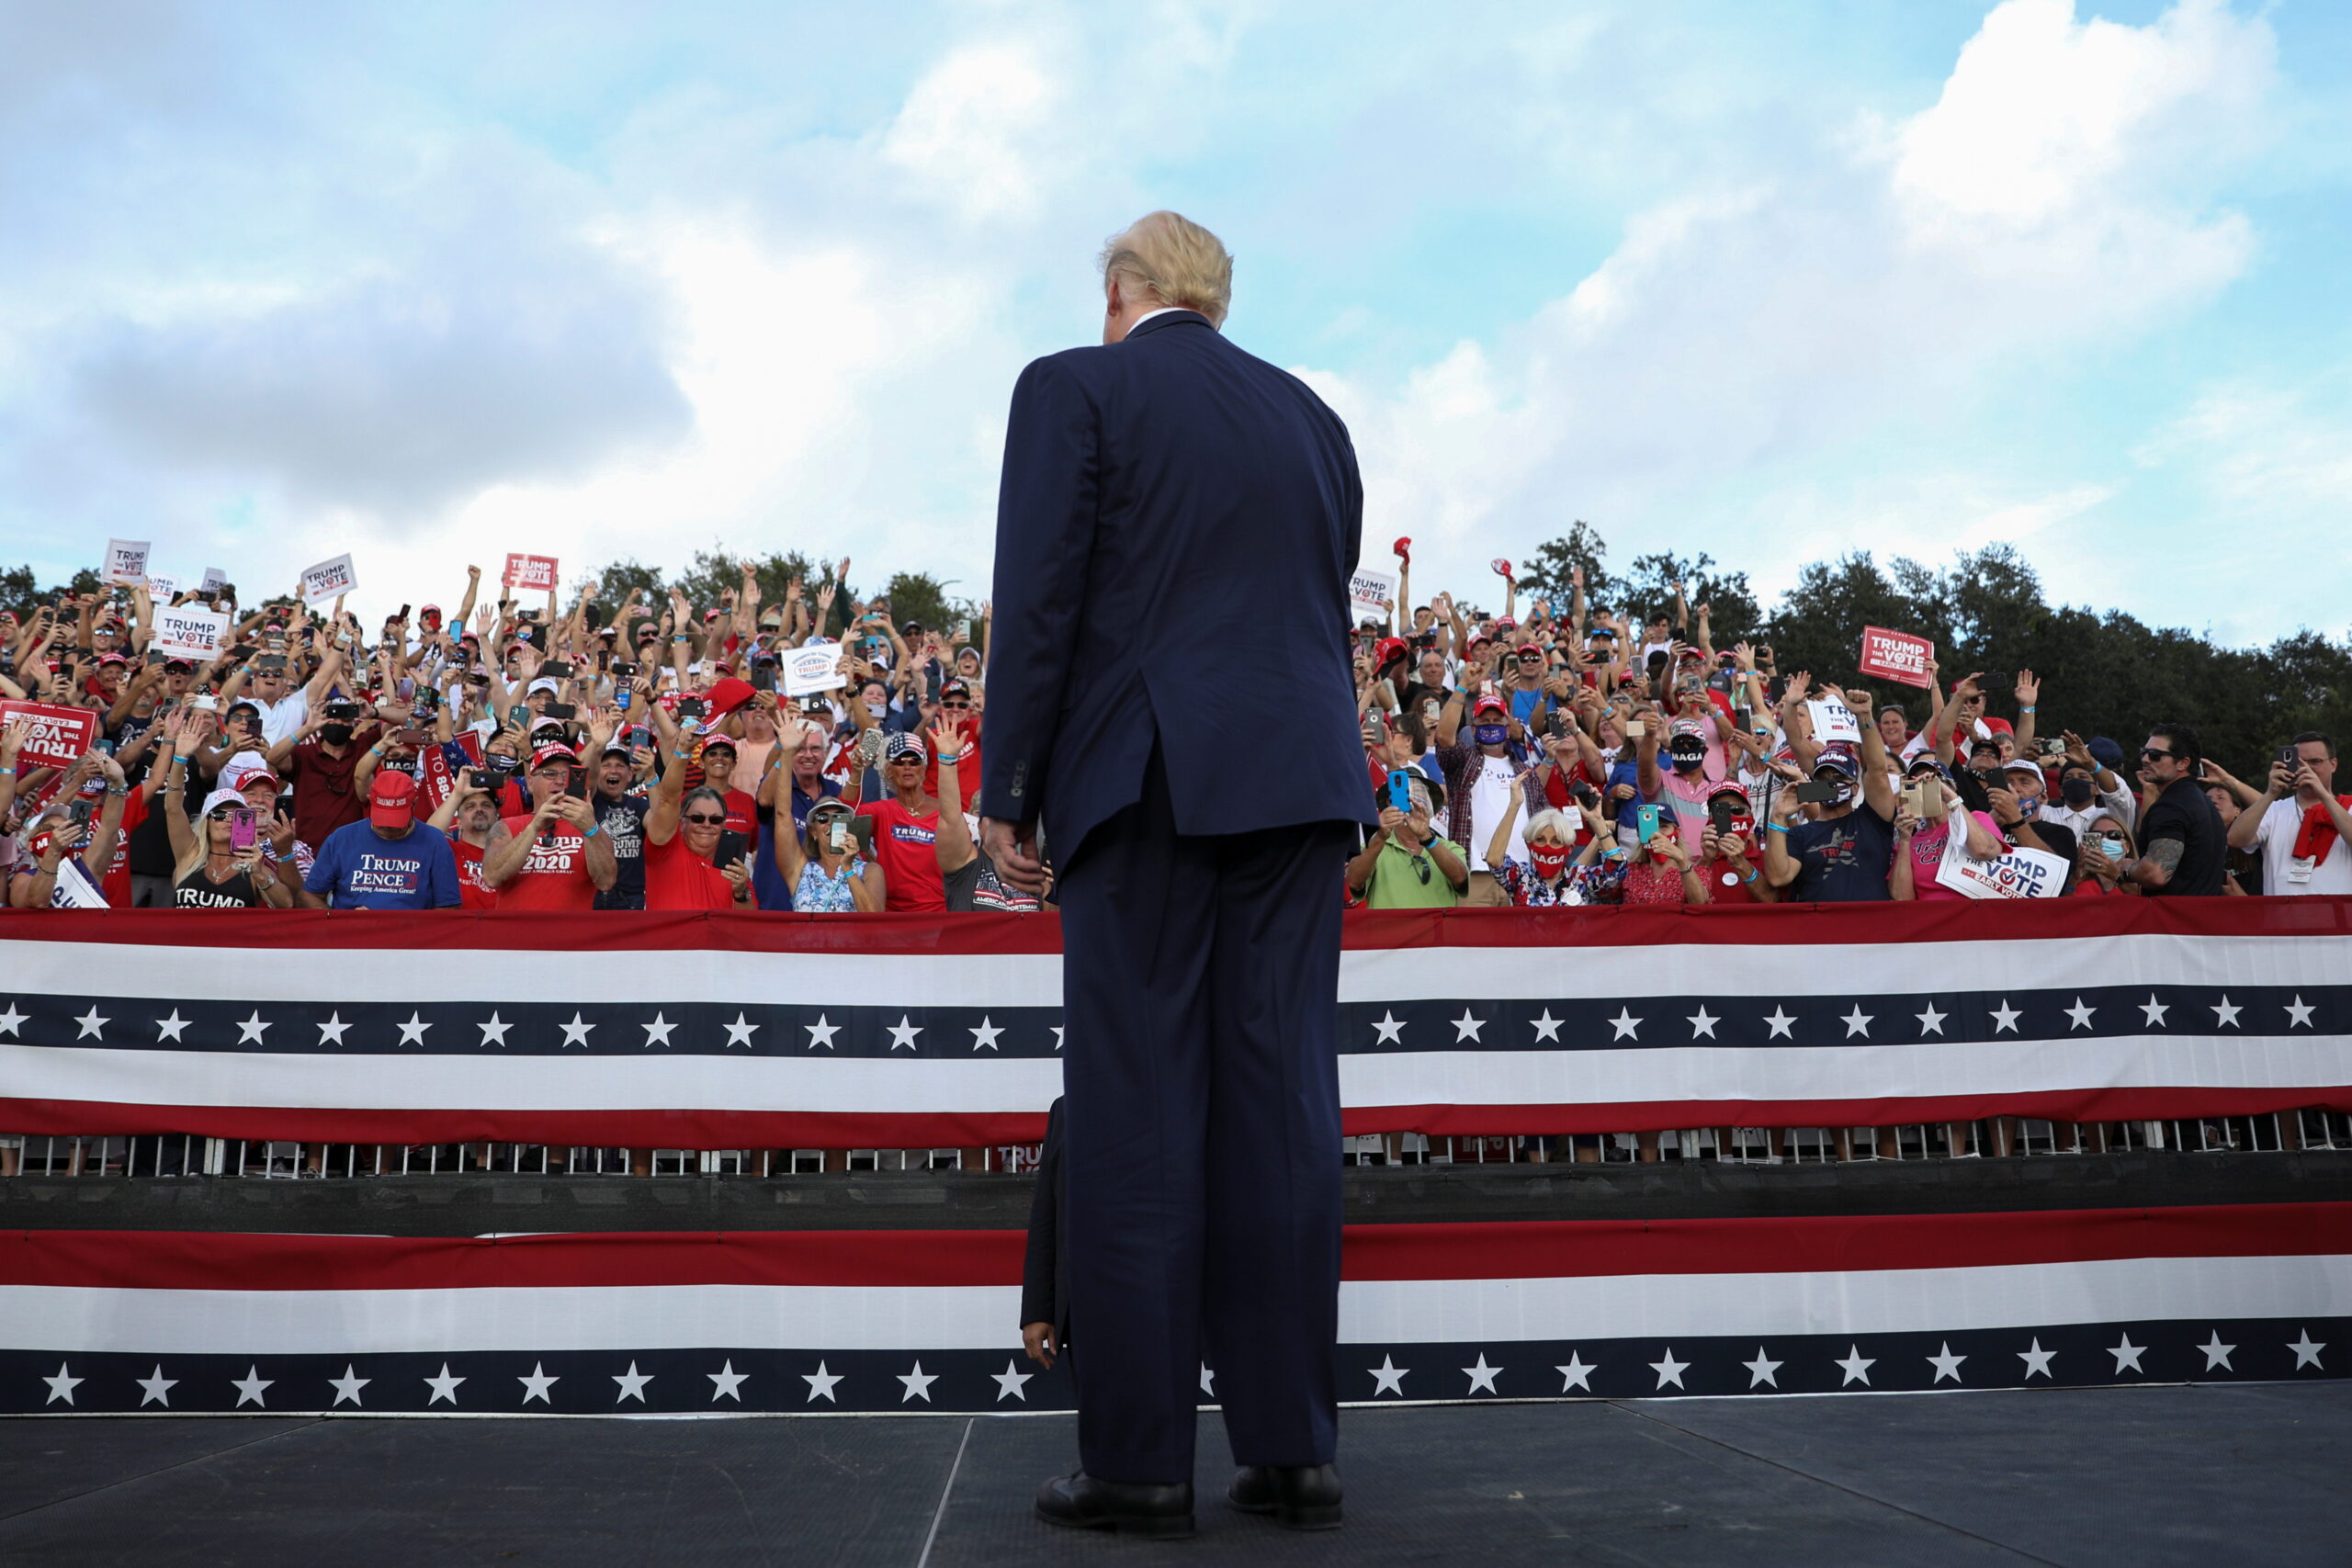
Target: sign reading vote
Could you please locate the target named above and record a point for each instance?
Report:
(1371, 594)
(1833, 721)
(189, 631)
(126, 560)
(813, 668)
(57, 738)
(535, 573)
(1896, 656)
(2019, 874)
(328, 579)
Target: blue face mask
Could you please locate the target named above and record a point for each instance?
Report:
(1689, 764)
(1491, 734)
(2111, 846)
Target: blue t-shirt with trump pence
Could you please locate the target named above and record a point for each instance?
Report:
(358, 868)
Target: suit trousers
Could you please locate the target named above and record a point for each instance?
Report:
(1201, 1136)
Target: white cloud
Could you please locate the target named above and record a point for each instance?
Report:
(2032, 212)
(968, 133)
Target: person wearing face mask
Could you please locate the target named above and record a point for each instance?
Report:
(322, 762)
(1553, 868)
(1683, 787)
(2087, 788)
(1482, 775)
(1921, 841)
(1731, 860)
(2105, 850)
(1837, 851)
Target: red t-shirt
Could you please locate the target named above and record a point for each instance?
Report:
(1727, 880)
(906, 845)
(115, 884)
(677, 878)
(473, 893)
(554, 875)
(742, 817)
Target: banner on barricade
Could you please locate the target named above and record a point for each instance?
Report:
(59, 737)
(908, 1032)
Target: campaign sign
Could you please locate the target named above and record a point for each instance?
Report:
(215, 580)
(1371, 594)
(2021, 873)
(126, 560)
(58, 738)
(1896, 655)
(161, 590)
(534, 572)
(189, 631)
(328, 579)
(813, 668)
(1833, 721)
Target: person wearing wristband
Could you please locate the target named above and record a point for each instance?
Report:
(694, 859)
(211, 872)
(70, 855)
(322, 759)
(556, 856)
(1731, 861)
(971, 880)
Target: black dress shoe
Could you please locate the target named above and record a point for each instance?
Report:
(1136, 1507)
(1300, 1496)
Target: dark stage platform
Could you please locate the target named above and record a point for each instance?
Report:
(2249, 1473)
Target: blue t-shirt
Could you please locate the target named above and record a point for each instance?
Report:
(1843, 861)
(767, 882)
(358, 869)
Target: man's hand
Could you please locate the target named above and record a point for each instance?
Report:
(1012, 848)
(574, 810)
(2005, 810)
(2028, 689)
(1037, 1343)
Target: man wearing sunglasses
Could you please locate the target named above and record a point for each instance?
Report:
(2182, 850)
(1407, 863)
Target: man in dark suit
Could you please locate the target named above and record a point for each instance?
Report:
(1176, 527)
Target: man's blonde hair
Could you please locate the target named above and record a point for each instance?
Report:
(1180, 262)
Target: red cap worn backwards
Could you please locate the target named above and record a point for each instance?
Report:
(391, 801)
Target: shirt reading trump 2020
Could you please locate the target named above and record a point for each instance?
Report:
(358, 868)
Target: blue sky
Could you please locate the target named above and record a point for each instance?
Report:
(1775, 281)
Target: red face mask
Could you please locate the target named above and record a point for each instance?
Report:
(1549, 862)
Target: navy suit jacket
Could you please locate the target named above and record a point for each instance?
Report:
(1176, 526)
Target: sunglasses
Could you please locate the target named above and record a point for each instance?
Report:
(957, 706)
(2154, 752)
(217, 814)
(906, 762)
(703, 819)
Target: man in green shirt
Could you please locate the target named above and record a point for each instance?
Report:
(1404, 864)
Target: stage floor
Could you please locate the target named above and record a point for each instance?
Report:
(2245, 1474)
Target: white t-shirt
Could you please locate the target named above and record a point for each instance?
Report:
(284, 716)
(2277, 841)
(1490, 795)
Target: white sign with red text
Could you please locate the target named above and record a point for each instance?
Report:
(1371, 594)
(813, 668)
(189, 631)
(126, 560)
(2019, 874)
(328, 579)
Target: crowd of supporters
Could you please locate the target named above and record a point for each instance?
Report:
(628, 756)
